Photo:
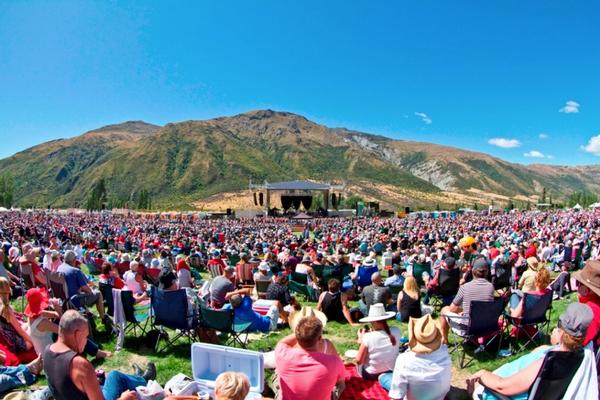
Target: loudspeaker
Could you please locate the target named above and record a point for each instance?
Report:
(255, 202)
(260, 199)
(229, 211)
(333, 200)
(407, 210)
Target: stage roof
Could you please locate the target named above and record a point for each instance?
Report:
(296, 185)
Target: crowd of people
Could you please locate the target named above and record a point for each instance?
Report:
(356, 271)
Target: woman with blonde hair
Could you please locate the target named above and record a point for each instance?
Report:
(232, 386)
(16, 346)
(541, 282)
(409, 301)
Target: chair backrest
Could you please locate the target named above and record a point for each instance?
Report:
(300, 278)
(364, 275)
(449, 281)
(221, 320)
(244, 272)
(262, 286)
(215, 270)
(27, 274)
(58, 285)
(318, 268)
(395, 289)
(345, 271)
(555, 375)
(535, 308)
(170, 308)
(128, 305)
(484, 316)
(106, 291)
(502, 273)
(418, 270)
(298, 288)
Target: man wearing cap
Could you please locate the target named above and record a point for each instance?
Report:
(425, 371)
(479, 289)
(588, 289)
(515, 378)
(221, 288)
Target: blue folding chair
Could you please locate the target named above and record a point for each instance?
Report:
(171, 311)
(363, 277)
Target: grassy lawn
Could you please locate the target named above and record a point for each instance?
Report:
(177, 359)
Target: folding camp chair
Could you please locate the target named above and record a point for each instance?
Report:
(58, 286)
(418, 270)
(318, 269)
(224, 322)
(137, 316)
(395, 289)
(106, 291)
(535, 319)
(244, 273)
(554, 377)
(300, 278)
(363, 277)
(27, 276)
(449, 282)
(301, 289)
(170, 310)
(261, 289)
(345, 271)
(215, 270)
(483, 328)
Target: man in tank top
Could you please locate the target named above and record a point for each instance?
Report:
(72, 377)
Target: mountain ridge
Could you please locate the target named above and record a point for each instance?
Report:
(182, 163)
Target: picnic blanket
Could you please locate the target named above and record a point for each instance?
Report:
(360, 389)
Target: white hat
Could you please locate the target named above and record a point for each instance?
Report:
(377, 313)
(263, 266)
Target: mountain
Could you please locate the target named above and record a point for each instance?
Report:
(208, 164)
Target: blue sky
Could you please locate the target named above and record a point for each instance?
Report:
(466, 74)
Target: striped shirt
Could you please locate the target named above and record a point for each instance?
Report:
(479, 289)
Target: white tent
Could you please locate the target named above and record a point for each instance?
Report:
(3, 209)
(577, 207)
(595, 205)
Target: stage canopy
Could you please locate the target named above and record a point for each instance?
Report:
(295, 193)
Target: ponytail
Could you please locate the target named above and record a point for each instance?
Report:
(386, 328)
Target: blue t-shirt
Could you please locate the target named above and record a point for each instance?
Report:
(74, 277)
(245, 314)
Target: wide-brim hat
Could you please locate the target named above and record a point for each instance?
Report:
(424, 335)
(306, 311)
(377, 313)
(369, 262)
(589, 276)
(37, 301)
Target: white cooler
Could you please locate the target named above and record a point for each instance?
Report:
(209, 360)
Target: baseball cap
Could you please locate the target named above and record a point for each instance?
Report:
(480, 263)
(576, 319)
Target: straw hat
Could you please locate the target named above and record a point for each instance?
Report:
(533, 263)
(590, 276)
(377, 313)
(306, 311)
(424, 335)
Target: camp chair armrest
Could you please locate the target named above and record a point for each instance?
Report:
(463, 317)
(496, 394)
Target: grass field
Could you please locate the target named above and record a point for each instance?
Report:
(177, 359)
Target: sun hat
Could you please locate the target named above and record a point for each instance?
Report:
(589, 276)
(377, 313)
(424, 335)
(533, 263)
(369, 262)
(576, 319)
(306, 311)
(480, 263)
(37, 301)
(467, 241)
(263, 266)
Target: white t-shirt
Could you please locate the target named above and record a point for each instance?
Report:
(382, 355)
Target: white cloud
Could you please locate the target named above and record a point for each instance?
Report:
(571, 107)
(424, 117)
(534, 154)
(504, 143)
(543, 136)
(593, 146)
